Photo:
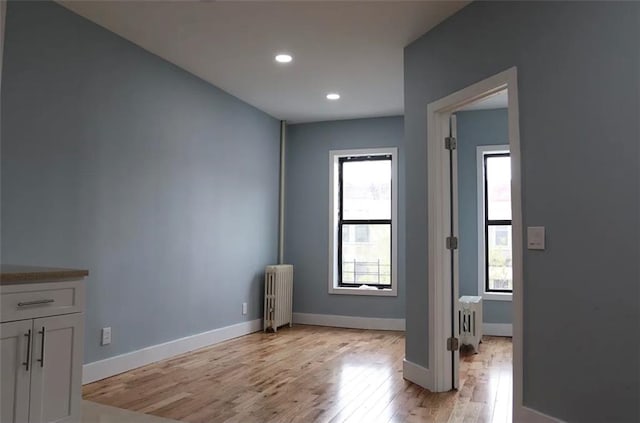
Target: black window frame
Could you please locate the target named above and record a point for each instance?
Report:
(492, 222)
(342, 222)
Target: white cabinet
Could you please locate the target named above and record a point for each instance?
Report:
(15, 343)
(56, 378)
(41, 356)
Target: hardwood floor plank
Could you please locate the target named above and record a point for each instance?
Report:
(310, 374)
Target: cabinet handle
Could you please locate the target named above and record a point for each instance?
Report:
(36, 302)
(26, 363)
(41, 359)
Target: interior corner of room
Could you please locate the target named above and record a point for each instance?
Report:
(358, 211)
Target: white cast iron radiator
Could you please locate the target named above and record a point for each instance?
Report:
(470, 321)
(278, 296)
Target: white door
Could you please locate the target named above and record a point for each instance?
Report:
(57, 353)
(453, 247)
(15, 343)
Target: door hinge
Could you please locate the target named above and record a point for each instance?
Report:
(452, 344)
(450, 143)
(452, 243)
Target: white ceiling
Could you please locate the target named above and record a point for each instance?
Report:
(351, 47)
(495, 101)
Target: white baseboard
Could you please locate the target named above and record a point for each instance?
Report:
(497, 329)
(353, 322)
(529, 415)
(417, 374)
(121, 363)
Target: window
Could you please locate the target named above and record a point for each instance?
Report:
(362, 231)
(494, 223)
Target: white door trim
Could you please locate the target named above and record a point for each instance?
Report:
(439, 276)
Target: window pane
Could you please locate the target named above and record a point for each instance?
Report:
(499, 257)
(366, 187)
(499, 187)
(366, 258)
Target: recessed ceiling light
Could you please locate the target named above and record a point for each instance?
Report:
(333, 96)
(284, 58)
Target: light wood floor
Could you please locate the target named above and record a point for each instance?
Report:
(310, 374)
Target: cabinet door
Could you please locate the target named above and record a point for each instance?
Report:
(56, 375)
(15, 340)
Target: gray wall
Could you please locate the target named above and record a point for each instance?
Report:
(163, 186)
(476, 128)
(307, 213)
(3, 10)
(579, 87)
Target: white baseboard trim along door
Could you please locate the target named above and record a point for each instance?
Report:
(352, 322)
(529, 415)
(416, 373)
(121, 363)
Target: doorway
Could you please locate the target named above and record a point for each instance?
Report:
(443, 231)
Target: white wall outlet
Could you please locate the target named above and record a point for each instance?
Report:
(244, 308)
(535, 237)
(106, 336)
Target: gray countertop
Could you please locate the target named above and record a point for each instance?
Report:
(15, 274)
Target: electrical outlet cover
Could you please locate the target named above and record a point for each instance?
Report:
(106, 336)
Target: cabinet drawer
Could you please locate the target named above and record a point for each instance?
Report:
(28, 301)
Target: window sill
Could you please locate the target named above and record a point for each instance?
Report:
(359, 291)
(496, 296)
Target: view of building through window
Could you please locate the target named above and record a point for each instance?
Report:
(365, 221)
(499, 271)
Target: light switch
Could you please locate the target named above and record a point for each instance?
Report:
(535, 237)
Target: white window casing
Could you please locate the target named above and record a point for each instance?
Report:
(481, 151)
(334, 156)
